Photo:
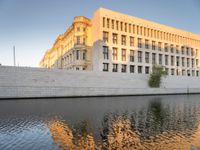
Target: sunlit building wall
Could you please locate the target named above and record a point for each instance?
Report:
(116, 42)
(71, 49)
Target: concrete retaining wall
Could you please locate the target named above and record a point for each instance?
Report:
(23, 82)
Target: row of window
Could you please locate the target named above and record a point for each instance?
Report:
(78, 29)
(124, 68)
(80, 55)
(132, 69)
(149, 44)
(180, 61)
(145, 31)
(80, 40)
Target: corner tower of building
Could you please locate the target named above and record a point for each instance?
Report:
(72, 49)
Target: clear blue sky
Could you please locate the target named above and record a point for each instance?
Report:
(33, 25)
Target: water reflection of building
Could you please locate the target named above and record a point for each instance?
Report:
(157, 127)
(63, 136)
(121, 135)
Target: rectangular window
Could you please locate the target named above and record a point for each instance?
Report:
(192, 63)
(177, 61)
(84, 41)
(105, 37)
(147, 44)
(77, 55)
(153, 45)
(131, 41)
(105, 52)
(117, 25)
(197, 73)
(133, 29)
(177, 49)
(154, 33)
(188, 62)
(84, 56)
(177, 72)
(105, 66)
(193, 73)
(172, 48)
(115, 38)
(166, 47)
(146, 70)
(160, 59)
(114, 53)
(147, 34)
(172, 60)
(146, 57)
(153, 58)
(197, 52)
(125, 27)
(115, 68)
(141, 33)
(187, 51)
(183, 61)
(183, 72)
(108, 23)
(131, 55)
(123, 68)
(159, 46)
(151, 32)
(197, 62)
(123, 40)
(182, 50)
(139, 56)
(137, 30)
(123, 54)
(139, 43)
(139, 69)
(188, 72)
(132, 68)
(172, 72)
(129, 28)
(144, 31)
(78, 40)
(166, 59)
(103, 21)
(192, 52)
(121, 25)
(113, 24)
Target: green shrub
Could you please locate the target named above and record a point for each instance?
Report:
(156, 75)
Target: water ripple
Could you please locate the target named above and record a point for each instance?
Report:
(152, 123)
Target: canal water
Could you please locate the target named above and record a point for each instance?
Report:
(143, 122)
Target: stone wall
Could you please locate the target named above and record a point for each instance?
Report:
(20, 82)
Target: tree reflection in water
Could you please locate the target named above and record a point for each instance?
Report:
(156, 127)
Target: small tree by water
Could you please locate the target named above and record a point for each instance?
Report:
(156, 76)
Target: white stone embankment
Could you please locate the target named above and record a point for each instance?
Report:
(22, 82)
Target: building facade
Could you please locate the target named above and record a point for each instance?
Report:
(69, 50)
(115, 42)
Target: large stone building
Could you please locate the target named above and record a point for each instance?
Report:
(116, 42)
